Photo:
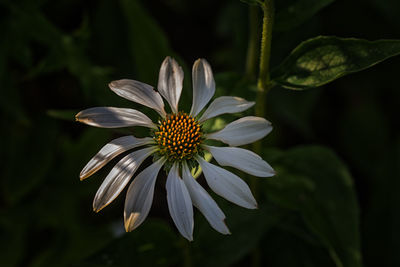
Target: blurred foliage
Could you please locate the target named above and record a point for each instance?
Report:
(334, 199)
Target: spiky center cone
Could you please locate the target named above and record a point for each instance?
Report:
(178, 137)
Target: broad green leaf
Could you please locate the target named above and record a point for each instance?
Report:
(324, 59)
(296, 12)
(315, 183)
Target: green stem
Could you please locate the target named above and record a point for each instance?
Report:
(263, 86)
(264, 82)
(253, 43)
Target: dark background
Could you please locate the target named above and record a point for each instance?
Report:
(57, 57)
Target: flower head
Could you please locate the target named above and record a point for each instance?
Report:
(177, 142)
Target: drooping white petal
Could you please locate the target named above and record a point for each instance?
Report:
(227, 185)
(225, 104)
(140, 93)
(109, 117)
(241, 159)
(203, 85)
(110, 151)
(203, 201)
(179, 203)
(140, 196)
(170, 82)
(119, 177)
(243, 131)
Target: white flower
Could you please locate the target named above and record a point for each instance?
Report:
(177, 141)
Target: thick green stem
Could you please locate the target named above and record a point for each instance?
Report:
(263, 86)
(264, 82)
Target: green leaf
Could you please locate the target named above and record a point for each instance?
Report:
(297, 12)
(324, 59)
(314, 182)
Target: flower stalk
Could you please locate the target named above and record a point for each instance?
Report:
(264, 83)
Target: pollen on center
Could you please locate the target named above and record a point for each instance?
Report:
(178, 136)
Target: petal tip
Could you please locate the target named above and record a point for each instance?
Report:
(189, 238)
(77, 116)
(127, 228)
(113, 85)
(97, 208)
(127, 222)
(226, 231)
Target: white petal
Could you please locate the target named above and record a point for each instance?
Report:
(109, 117)
(241, 159)
(140, 196)
(170, 82)
(225, 104)
(227, 185)
(140, 93)
(179, 203)
(110, 151)
(203, 201)
(119, 177)
(243, 131)
(203, 85)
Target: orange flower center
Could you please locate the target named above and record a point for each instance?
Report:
(178, 136)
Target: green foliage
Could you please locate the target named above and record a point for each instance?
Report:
(324, 59)
(315, 183)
